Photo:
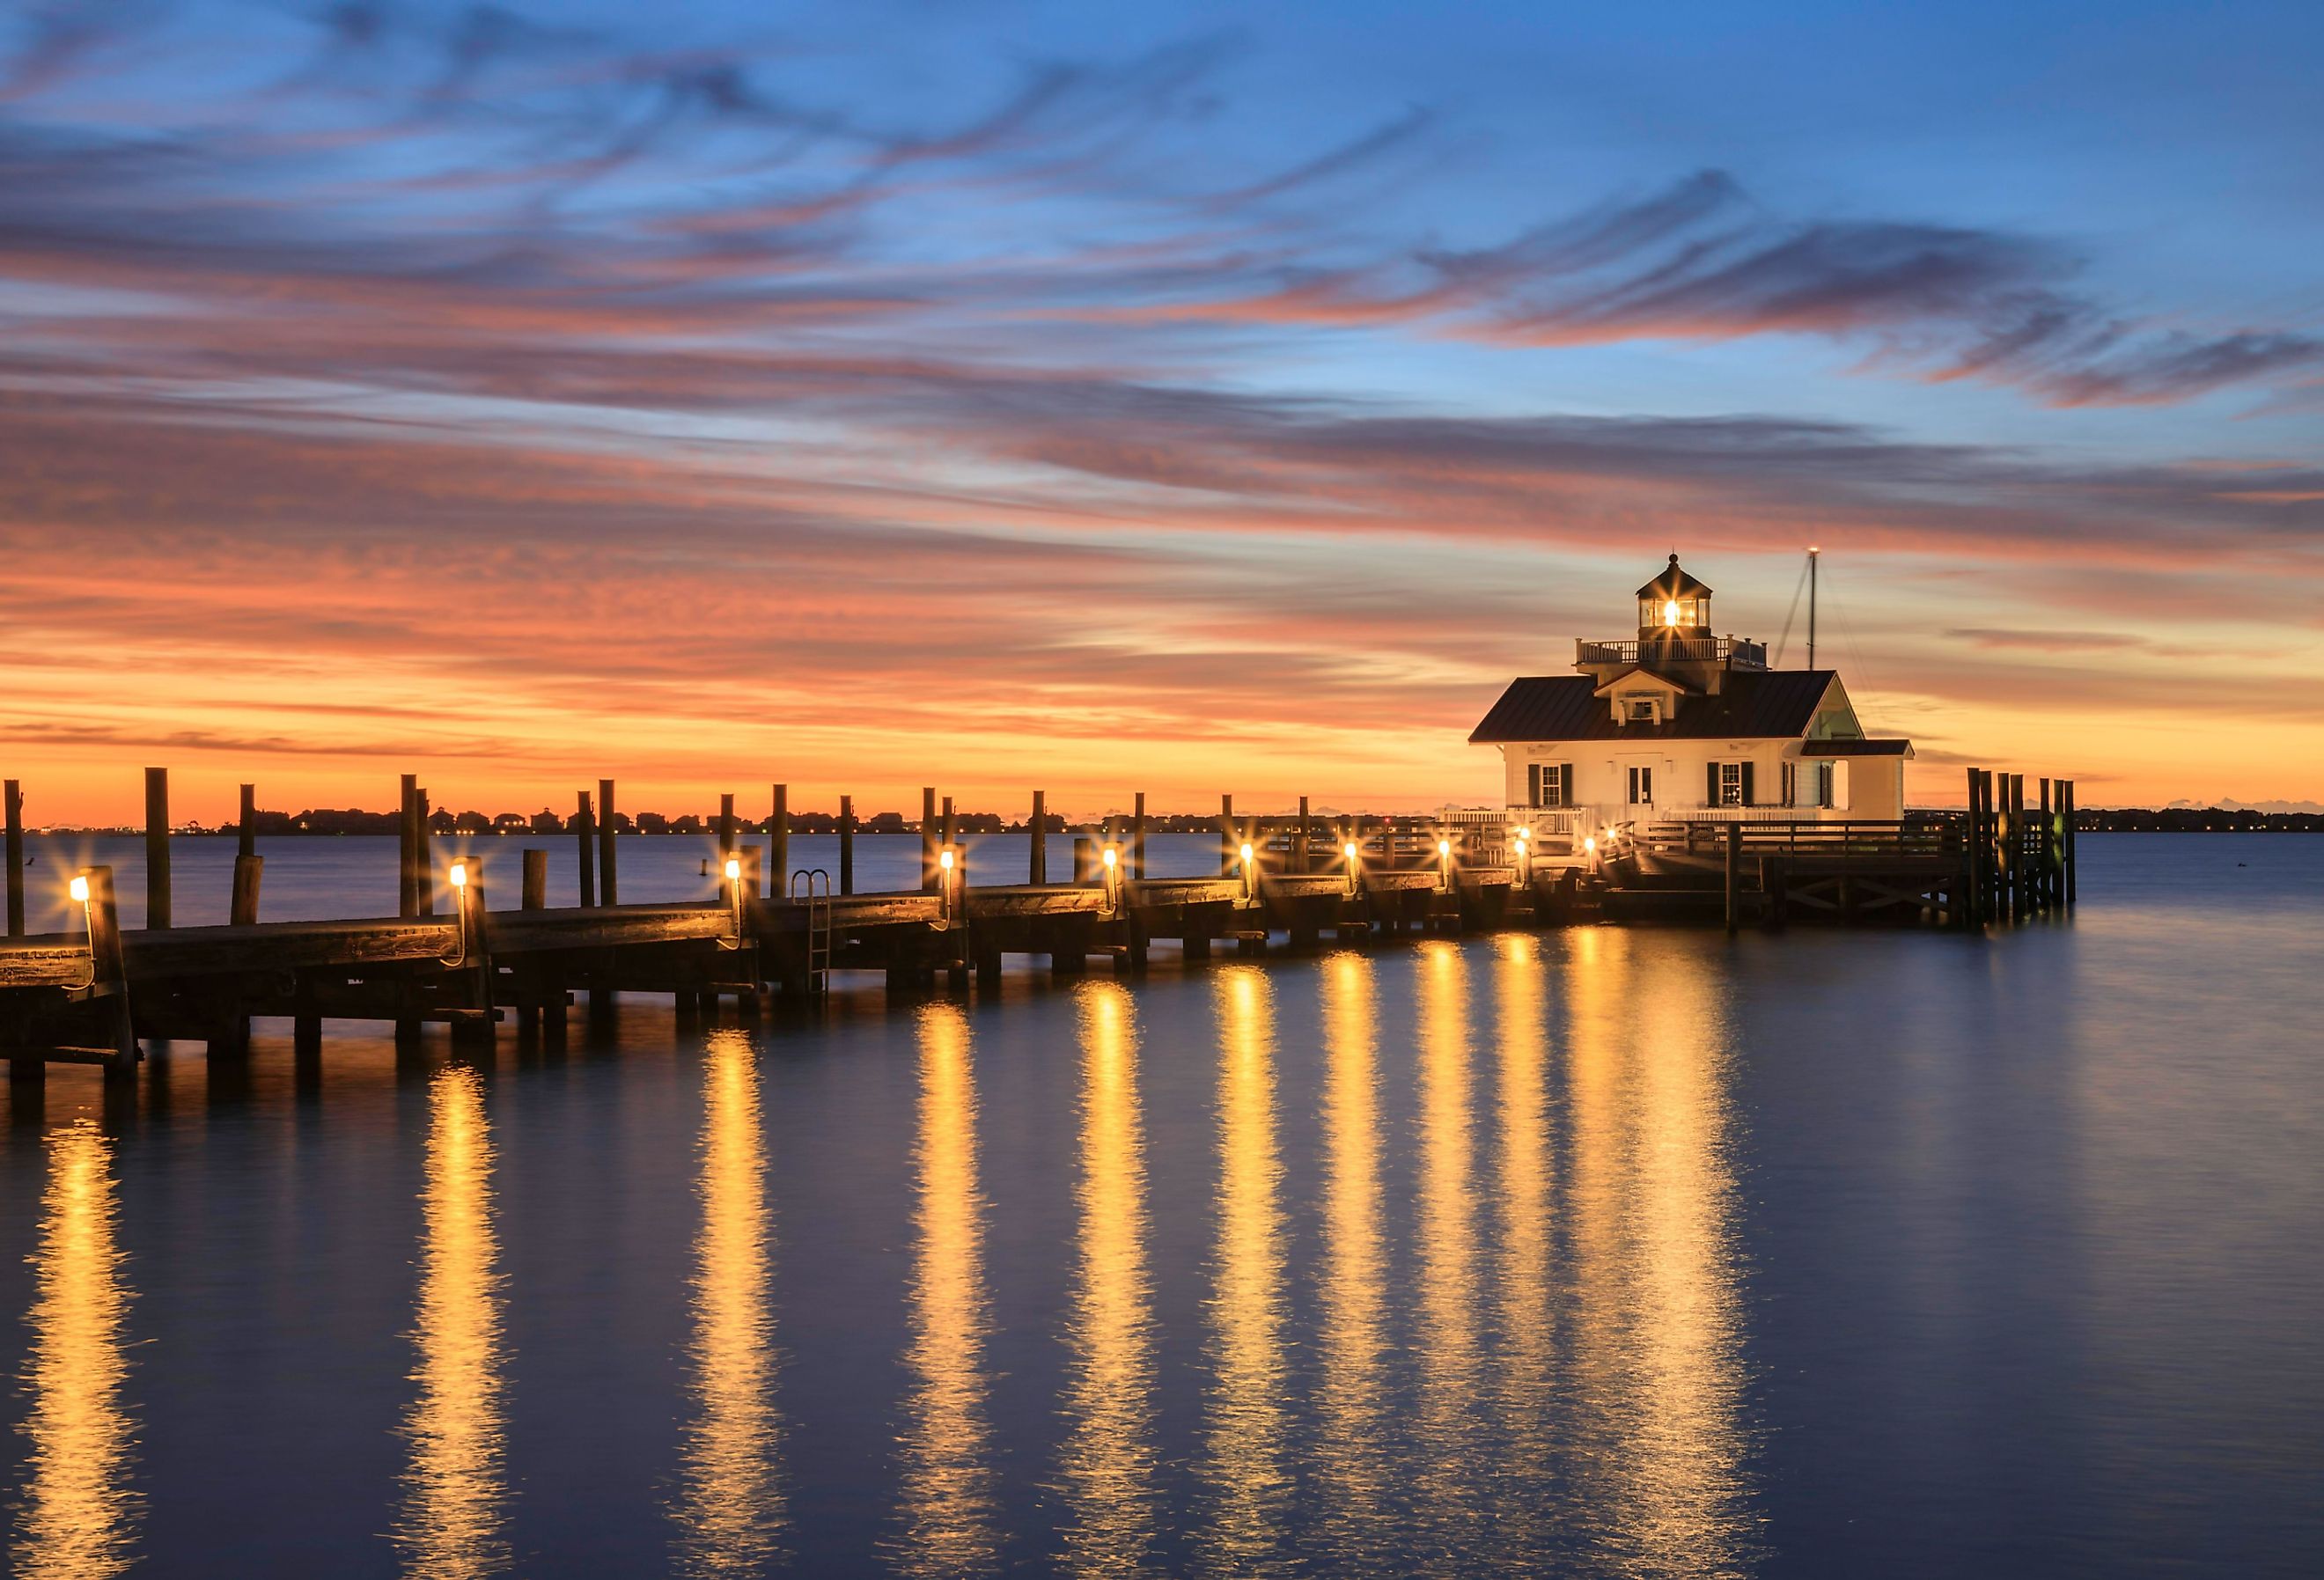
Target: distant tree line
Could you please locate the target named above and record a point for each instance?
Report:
(328, 820)
(2195, 820)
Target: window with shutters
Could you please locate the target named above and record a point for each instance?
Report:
(1730, 784)
(1550, 784)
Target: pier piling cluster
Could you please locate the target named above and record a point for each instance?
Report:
(774, 935)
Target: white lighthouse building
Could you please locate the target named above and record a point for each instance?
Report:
(1679, 724)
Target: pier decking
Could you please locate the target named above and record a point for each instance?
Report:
(92, 995)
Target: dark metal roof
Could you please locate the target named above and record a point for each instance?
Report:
(1856, 749)
(1673, 583)
(1753, 705)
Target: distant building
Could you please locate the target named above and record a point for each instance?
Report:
(1680, 724)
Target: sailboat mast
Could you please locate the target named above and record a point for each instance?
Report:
(1812, 553)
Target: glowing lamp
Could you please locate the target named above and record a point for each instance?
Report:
(459, 874)
(944, 861)
(80, 890)
(734, 870)
(1349, 850)
(1444, 847)
(1246, 854)
(1113, 856)
(1590, 846)
(1670, 611)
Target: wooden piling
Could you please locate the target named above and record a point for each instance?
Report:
(778, 843)
(1084, 858)
(1734, 875)
(951, 831)
(108, 987)
(608, 881)
(1228, 852)
(2045, 834)
(534, 989)
(928, 838)
(12, 810)
(1038, 865)
(1137, 849)
(242, 907)
(847, 844)
(1299, 840)
(426, 850)
(157, 848)
(407, 867)
(2021, 875)
(245, 830)
(725, 829)
(2071, 810)
(584, 836)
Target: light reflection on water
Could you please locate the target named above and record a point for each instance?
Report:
(1524, 1386)
(1108, 1461)
(1354, 1472)
(455, 1488)
(1245, 1477)
(730, 1512)
(1660, 1456)
(947, 1516)
(80, 1514)
(1449, 1361)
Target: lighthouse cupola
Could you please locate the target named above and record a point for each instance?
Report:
(1673, 608)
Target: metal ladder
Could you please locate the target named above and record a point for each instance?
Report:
(814, 886)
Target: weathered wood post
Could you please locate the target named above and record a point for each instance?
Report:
(2021, 870)
(1299, 840)
(778, 843)
(11, 808)
(927, 837)
(426, 851)
(407, 865)
(1734, 875)
(157, 848)
(585, 837)
(533, 991)
(608, 881)
(1037, 865)
(951, 830)
(1228, 855)
(245, 841)
(2071, 811)
(1138, 841)
(476, 942)
(725, 829)
(1965, 912)
(1776, 880)
(242, 908)
(847, 844)
(2046, 837)
(1084, 858)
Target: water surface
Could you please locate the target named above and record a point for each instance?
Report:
(1621, 1252)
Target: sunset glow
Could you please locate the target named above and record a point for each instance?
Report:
(1169, 402)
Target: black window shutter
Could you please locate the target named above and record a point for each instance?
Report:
(1532, 784)
(1566, 784)
(1747, 800)
(1711, 797)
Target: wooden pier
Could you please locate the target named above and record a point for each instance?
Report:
(775, 936)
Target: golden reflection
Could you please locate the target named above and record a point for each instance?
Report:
(1108, 1457)
(1527, 1386)
(1351, 1462)
(1243, 1465)
(730, 1512)
(454, 1495)
(949, 1515)
(1657, 1343)
(1449, 1374)
(79, 1513)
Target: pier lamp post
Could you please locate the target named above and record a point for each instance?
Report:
(948, 869)
(459, 876)
(1112, 857)
(1249, 871)
(78, 890)
(1525, 855)
(1444, 861)
(1354, 863)
(733, 904)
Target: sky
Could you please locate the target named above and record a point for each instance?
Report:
(1179, 399)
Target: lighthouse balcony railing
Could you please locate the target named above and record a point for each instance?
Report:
(1735, 651)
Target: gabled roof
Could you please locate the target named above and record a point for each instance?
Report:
(1673, 583)
(1624, 676)
(1753, 705)
(1856, 749)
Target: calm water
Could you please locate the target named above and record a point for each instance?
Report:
(1609, 1251)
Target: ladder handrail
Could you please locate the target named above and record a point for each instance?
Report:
(813, 884)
